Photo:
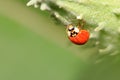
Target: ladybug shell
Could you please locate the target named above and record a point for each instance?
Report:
(81, 38)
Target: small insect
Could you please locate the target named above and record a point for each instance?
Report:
(77, 35)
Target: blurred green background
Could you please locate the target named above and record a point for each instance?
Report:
(32, 47)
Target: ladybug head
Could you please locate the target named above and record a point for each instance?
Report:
(70, 28)
(72, 31)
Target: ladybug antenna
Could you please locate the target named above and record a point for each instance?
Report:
(81, 23)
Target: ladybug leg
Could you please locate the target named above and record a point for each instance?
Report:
(81, 23)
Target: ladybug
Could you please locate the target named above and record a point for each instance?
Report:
(77, 35)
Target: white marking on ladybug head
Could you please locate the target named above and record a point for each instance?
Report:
(70, 28)
(76, 29)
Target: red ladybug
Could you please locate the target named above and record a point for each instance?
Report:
(77, 35)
